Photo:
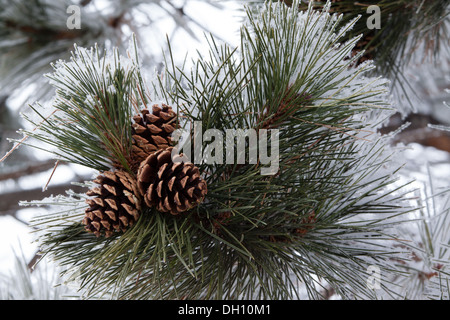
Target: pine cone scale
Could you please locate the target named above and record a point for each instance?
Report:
(139, 129)
(111, 215)
(154, 129)
(99, 201)
(96, 225)
(111, 203)
(171, 183)
(105, 224)
(168, 128)
(161, 170)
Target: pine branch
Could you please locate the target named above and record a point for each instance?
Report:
(324, 217)
(9, 201)
(407, 29)
(418, 131)
(91, 122)
(405, 25)
(34, 34)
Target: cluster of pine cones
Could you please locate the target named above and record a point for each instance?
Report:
(161, 180)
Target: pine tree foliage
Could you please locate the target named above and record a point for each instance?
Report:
(33, 34)
(428, 237)
(92, 109)
(36, 33)
(32, 284)
(321, 220)
(404, 27)
(393, 33)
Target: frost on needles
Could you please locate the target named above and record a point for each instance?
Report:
(320, 221)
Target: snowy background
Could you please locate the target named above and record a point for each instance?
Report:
(429, 166)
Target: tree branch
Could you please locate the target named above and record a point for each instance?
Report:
(9, 202)
(418, 131)
(30, 169)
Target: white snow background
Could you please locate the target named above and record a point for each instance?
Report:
(428, 81)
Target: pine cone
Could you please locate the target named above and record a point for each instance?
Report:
(170, 185)
(151, 132)
(115, 204)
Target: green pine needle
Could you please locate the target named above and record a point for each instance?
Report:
(321, 220)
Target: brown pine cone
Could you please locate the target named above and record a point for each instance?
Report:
(114, 205)
(170, 185)
(151, 131)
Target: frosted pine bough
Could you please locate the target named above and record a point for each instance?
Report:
(318, 223)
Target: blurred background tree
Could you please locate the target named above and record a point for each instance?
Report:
(411, 49)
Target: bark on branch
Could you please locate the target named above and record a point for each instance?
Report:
(418, 131)
(9, 201)
(30, 169)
